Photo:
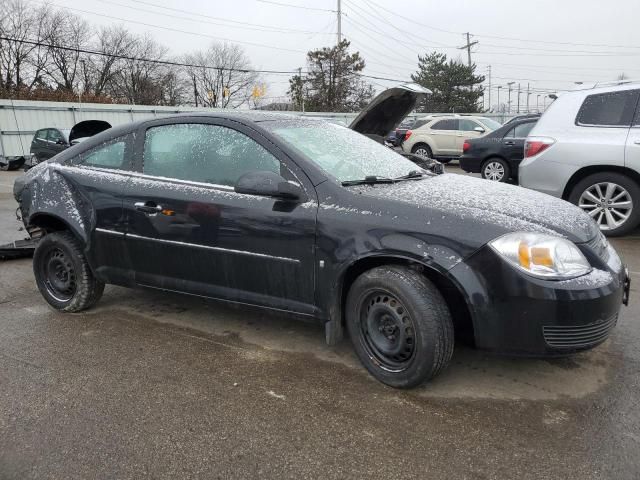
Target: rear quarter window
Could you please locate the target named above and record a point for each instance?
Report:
(111, 155)
(611, 109)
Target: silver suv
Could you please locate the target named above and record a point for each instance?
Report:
(586, 149)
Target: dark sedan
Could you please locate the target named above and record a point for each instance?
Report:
(318, 220)
(497, 155)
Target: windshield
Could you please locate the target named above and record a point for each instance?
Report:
(341, 152)
(490, 123)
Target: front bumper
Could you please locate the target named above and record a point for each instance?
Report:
(518, 314)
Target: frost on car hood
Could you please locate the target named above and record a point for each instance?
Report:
(509, 208)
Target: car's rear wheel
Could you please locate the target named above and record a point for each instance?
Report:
(496, 169)
(422, 150)
(400, 326)
(63, 275)
(611, 199)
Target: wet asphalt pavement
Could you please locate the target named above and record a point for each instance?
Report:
(157, 385)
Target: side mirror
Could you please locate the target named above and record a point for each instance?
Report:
(268, 184)
(478, 129)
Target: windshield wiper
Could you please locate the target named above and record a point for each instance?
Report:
(368, 180)
(375, 179)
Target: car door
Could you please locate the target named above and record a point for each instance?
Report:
(513, 141)
(56, 142)
(189, 231)
(443, 134)
(466, 130)
(98, 177)
(632, 149)
(39, 144)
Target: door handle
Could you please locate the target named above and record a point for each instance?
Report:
(637, 142)
(509, 142)
(148, 207)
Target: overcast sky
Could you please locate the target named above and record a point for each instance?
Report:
(550, 44)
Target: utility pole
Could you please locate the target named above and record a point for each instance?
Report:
(468, 47)
(489, 68)
(538, 103)
(499, 87)
(518, 98)
(509, 102)
(528, 93)
(339, 21)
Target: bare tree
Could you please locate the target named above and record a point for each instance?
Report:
(221, 77)
(73, 34)
(21, 63)
(100, 70)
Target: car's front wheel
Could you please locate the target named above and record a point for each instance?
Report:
(63, 275)
(611, 199)
(400, 326)
(496, 169)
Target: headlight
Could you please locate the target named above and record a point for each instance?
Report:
(543, 256)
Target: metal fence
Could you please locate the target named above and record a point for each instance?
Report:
(19, 119)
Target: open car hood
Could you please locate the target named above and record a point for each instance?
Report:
(88, 128)
(388, 109)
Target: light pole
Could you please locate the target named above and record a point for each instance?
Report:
(538, 103)
(499, 87)
(509, 101)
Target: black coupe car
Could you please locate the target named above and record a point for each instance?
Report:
(316, 219)
(497, 155)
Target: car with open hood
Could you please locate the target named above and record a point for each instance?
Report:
(302, 216)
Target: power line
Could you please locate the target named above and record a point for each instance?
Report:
(242, 25)
(280, 4)
(179, 31)
(142, 59)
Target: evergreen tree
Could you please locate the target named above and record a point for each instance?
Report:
(332, 83)
(455, 86)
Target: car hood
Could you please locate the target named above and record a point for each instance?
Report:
(388, 109)
(490, 209)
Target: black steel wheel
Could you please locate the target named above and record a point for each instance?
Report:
(59, 274)
(400, 325)
(387, 331)
(63, 275)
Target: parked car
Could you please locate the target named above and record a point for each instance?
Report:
(48, 142)
(497, 155)
(307, 217)
(586, 149)
(442, 137)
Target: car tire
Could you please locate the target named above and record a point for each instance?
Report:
(400, 326)
(622, 185)
(63, 275)
(496, 169)
(422, 149)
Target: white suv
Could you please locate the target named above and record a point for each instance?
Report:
(442, 136)
(586, 149)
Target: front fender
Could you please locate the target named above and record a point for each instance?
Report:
(48, 192)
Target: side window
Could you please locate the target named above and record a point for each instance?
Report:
(449, 124)
(41, 134)
(468, 125)
(522, 130)
(111, 155)
(614, 109)
(203, 153)
(419, 123)
(55, 136)
(636, 121)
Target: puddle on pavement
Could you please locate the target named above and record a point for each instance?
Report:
(472, 374)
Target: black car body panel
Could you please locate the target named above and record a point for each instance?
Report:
(48, 142)
(299, 256)
(500, 143)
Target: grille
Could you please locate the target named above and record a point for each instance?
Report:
(578, 336)
(598, 245)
